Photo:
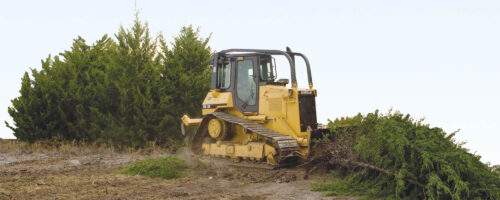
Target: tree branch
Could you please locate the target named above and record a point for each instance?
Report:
(349, 163)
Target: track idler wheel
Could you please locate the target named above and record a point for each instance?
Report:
(217, 129)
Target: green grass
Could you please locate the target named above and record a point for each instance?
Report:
(166, 167)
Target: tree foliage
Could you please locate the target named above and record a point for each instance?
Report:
(185, 65)
(394, 156)
(127, 91)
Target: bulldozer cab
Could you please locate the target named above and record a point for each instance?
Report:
(242, 74)
(243, 71)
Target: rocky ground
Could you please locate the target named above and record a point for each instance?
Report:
(79, 173)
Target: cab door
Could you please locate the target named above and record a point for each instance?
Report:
(246, 88)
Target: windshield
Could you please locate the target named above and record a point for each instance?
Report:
(267, 72)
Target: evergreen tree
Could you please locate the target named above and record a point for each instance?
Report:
(127, 92)
(187, 68)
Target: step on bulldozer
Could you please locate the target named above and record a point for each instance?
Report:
(250, 116)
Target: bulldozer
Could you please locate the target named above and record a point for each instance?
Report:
(250, 116)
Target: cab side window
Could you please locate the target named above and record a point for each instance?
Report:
(224, 75)
(266, 70)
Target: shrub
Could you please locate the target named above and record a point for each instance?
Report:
(394, 156)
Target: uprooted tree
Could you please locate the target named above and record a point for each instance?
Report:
(394, 156)
(127, 91)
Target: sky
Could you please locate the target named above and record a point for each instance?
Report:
(437, 60)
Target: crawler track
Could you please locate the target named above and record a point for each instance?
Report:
(285, 145)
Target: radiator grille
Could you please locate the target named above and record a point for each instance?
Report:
(307, 108)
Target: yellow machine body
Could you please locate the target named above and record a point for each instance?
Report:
(278, 111)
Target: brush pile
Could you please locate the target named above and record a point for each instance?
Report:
(395, 156)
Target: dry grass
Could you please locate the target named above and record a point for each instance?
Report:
(15, 147)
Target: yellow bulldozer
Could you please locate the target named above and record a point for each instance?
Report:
(250, 116)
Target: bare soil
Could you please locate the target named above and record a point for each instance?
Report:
(82, 174)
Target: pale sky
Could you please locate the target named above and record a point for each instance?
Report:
(432, 59)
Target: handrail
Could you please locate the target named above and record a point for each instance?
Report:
(308, 66)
